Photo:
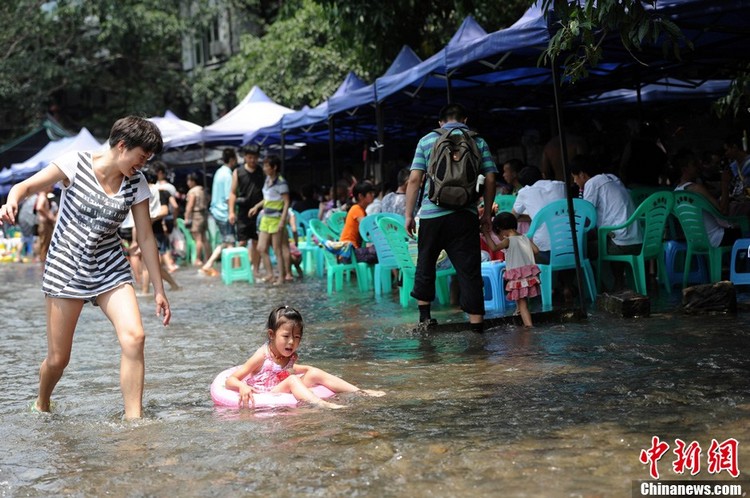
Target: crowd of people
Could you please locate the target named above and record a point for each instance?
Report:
(114, 229)
(249, 203)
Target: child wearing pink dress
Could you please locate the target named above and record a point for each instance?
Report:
(274, 368)
(521, 273)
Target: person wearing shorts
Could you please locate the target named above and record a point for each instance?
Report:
(272, 227)
(246, 192)
(219, 208)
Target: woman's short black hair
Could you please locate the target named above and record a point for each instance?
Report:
(136, 131)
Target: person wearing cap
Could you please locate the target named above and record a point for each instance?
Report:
(246, 192)
(364, 194)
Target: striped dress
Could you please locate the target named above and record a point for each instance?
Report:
(85, 257)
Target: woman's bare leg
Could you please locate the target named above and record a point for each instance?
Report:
(264, 240)
(279, 251)
(121, 307)
(62, 317)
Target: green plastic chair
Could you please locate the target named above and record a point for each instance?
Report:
(652, 214)
(562, 257)
(335, 269)
(398, 239)
(689, 208)
(640, 194)
(336, 222)
(190, 249)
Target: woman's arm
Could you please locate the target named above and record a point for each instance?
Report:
(254, 210)
(232, 198)
(20, 191)
(189, 207)
(150, 254)
(285, 209)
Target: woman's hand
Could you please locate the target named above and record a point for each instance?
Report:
(246, 396)
(252, 212)
(162, 308)
(8, 213)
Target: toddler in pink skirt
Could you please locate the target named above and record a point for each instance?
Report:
(521, 273)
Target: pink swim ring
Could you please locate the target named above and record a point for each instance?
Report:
(231, 399)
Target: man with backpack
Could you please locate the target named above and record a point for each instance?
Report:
(454, 160)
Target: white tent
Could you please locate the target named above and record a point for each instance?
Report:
(255, 111)
(176, 132)
(84, 141)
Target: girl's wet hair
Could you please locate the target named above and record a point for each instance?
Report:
(504, 221)
(283, 314)
(136, 131)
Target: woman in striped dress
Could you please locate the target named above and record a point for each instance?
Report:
(86, 261)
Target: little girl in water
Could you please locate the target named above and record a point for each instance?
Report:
(273, 367)
(521, 273)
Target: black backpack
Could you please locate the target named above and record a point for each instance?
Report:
(453, 169)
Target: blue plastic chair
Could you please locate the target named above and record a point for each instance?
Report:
(739, 268)
(371, 232)
(312, 255)
(562, 257)
(336, 222)
(303, 219)
(674, 263)
(494, 286)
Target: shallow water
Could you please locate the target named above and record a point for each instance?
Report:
(561, 410)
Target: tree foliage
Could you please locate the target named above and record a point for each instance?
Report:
(583, 26)
(378, 30)
(295, 62)
(92, 61)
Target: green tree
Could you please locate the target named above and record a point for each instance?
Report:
(296, 63)
(93, 61)
(379, 29)
(582, 26)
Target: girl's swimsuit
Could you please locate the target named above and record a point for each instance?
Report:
(271, 373)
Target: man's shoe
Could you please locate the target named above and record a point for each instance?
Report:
(427, 325)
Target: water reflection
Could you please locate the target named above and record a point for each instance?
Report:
(560, 410)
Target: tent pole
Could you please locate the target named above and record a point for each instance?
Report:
(449, 89)
(380, 176)
(331, 150)
(566, 179)
(283, 151)
(203, 154)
